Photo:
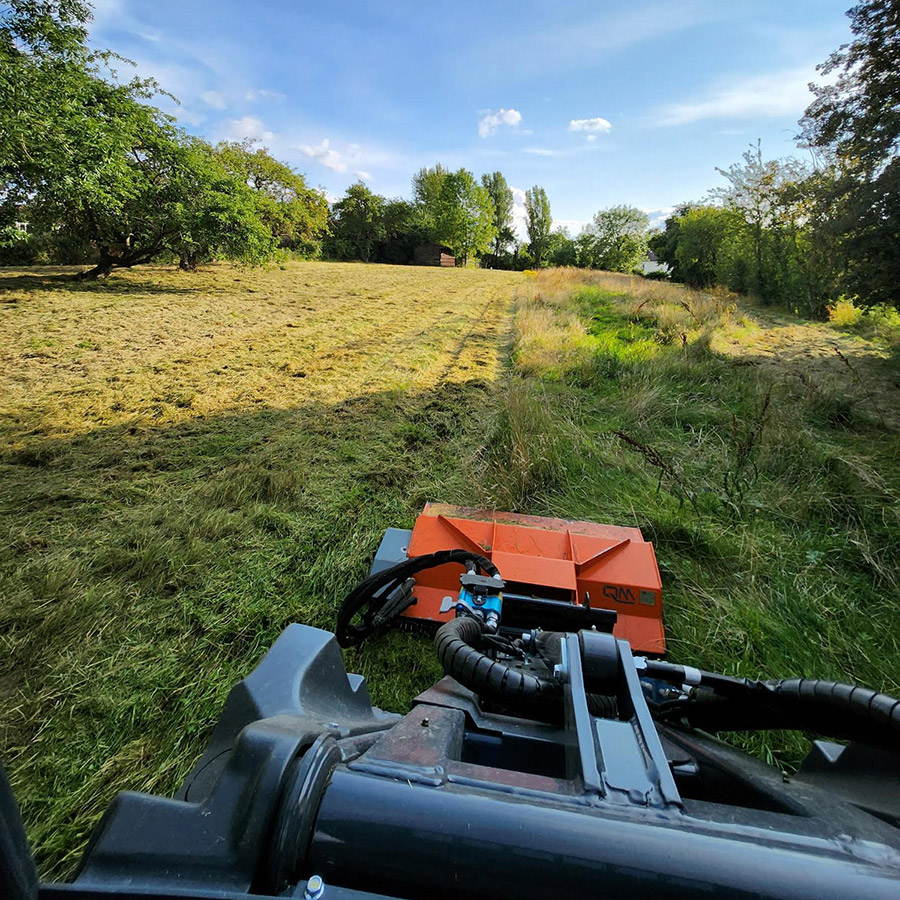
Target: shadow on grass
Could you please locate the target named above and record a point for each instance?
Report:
(148, 570)
(66, 278)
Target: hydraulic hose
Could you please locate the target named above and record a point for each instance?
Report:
(829, 708)
(375, 590)
(456, 646)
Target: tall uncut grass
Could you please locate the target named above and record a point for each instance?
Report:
(773, 505)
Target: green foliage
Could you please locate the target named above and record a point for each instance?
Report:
(702, 233)
(356, 224)
(426, 190)
(854, 123)
(501, 198)
(296, 215)
(90, 162)
(561, 250)
(616, 240)
(538, 223)
(463, 215)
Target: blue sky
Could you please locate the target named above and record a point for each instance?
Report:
(598, 102)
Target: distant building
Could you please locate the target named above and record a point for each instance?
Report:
(431, 254)
(651, 263)
(21, 226)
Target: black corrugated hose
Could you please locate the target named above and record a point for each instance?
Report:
(456, 644)
(376, 589)
(723, 703)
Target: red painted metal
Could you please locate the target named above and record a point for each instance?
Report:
(607, 566)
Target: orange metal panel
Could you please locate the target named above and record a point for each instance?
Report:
(537, 570)
(612, 565)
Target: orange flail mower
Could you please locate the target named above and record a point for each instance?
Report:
(557, 571)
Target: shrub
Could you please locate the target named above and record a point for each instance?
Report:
(844, 312)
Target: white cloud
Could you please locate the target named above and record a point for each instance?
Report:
(519, 215)
(541, 151)
(324, 154)
(658, 215)
(593, 126)
(361, 173)
(490, 121)
(261, 94)
(248, 128)
(778, 94)
(215, 99)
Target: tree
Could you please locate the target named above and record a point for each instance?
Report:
(357, 223)
(561, 249)
(702, 233)
(42, 49)
(854, 123)
(501, 197)
(538, 222)
(400, 233)
(463, 216)
(616, 240)
(295, 214)
(96, 161)
(426, 190)
(664, 242)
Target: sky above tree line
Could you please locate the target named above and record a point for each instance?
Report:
(599, 102)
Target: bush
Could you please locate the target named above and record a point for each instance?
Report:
(885, 320)
(844, 312)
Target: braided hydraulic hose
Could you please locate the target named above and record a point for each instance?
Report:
(373, 592)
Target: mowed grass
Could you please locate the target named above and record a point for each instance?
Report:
(190, 463)
(770, 486)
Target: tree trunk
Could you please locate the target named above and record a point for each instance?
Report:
(102, 270)
(189, 261)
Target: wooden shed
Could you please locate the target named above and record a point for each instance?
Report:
(431, 254)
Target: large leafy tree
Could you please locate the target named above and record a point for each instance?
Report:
(136, 187)
(755, 189)
(296, 214)
(616, 240)
(501, 197)
(703, 232)
(463, 215)
(854, 123)
(357, 224)
(89, 155)
(538, 223)
(426, 190)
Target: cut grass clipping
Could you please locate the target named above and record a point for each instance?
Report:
(191, 463)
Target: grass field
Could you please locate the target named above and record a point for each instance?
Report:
(189, 463)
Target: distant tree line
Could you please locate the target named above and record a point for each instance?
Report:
(804, 234)
(91, 172)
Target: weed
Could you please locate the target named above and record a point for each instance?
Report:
(741, 472)
(675, 478)
(862, 384)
